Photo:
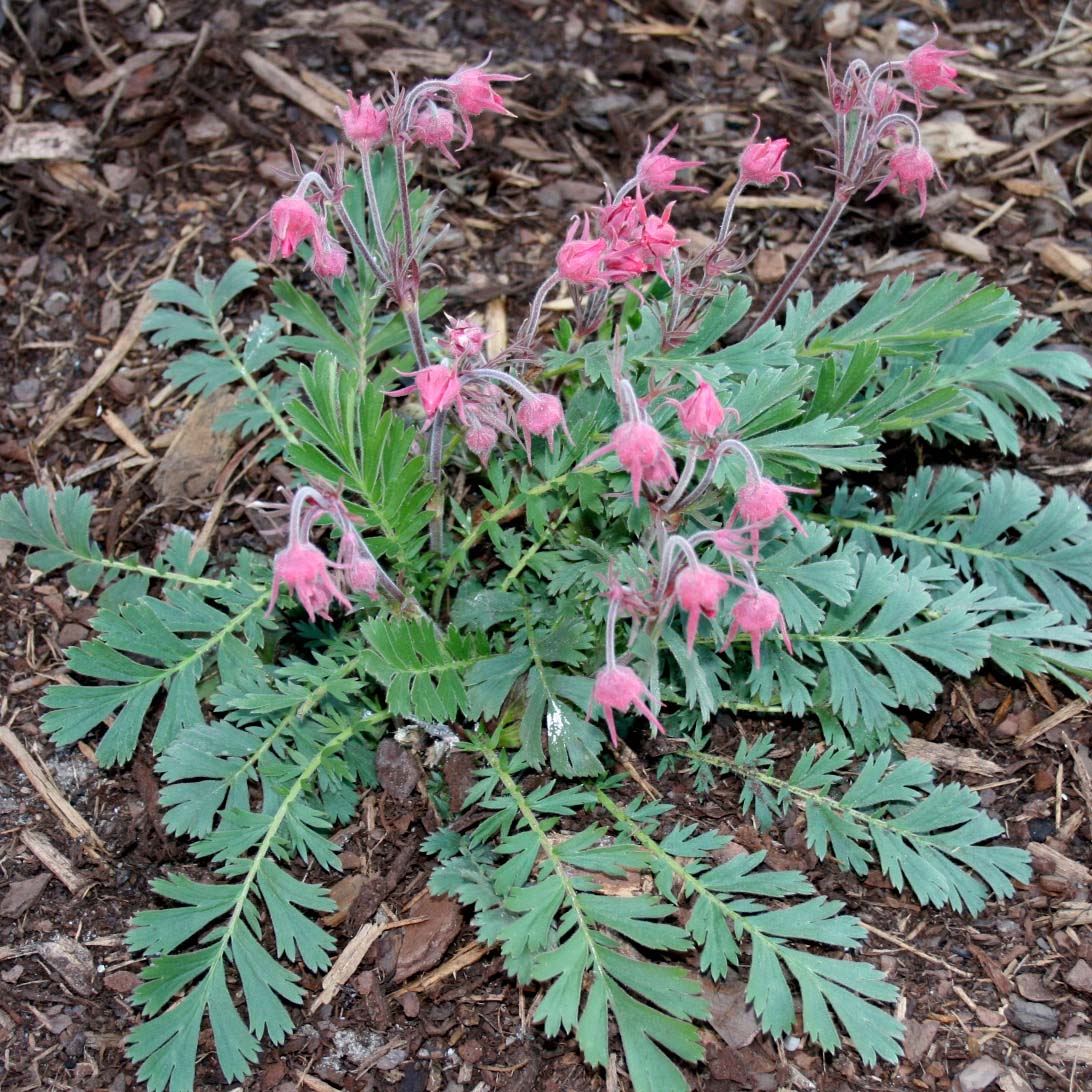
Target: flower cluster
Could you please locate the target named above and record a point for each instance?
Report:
(867, 105)
(315, 580)
(482, 396)
(679, 577)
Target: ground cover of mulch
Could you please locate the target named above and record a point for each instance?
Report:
(162, 126)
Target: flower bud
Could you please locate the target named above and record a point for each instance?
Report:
(699, 590)
(616, 689)
(363, 124)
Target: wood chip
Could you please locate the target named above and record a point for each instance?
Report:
(75, 825)
(1050, 860)
(1077, 1049)
(119, 72)
(288, 86)
(1067, 712)
(465, 957)
(23, 140)
(55, 861)
(947, 757)
(346, 964)
(967, 245)
(950, 138)
(1067, 263)
(120, 349)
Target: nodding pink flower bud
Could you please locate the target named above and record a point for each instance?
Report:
(656, 172)
(541, 416)
(471, 90)
(925, 68)
(623, 261)
(438, 387)
(293, 219)
(481, 439)
(701, 414)
(362, 575)
(699, 590)
(760, 164)
(642, 452)
(578, 259)
(760, 502)
(363, 124)
(910, 166)
(329, 258)
(463, 338)
(305, 570)
(435, 128)
(755, 613)
(658, 237)
(616, 689)
(886, 99)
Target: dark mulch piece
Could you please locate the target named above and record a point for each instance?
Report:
(186, 145)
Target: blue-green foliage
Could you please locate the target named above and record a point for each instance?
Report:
(264, 727)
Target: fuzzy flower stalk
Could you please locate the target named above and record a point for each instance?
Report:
(876, 143)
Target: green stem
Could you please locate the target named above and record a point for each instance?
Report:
(529, 553)
(549, 852)
(492, 519)
(255, 387)
(298, 712)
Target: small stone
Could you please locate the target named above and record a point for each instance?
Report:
(1013, 1082)
(71, 634)
(56, 303)
(1031, 1016)
(1079, 976)
(471, 1051)
(840, 20)
(980, 1074)
(26, 390)
(769, 266)
(121, 981)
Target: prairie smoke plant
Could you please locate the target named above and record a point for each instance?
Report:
(508, 606)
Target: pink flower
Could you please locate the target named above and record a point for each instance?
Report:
(659, 238)
(438, 386)
(481, 439)
(329, 258)
(471, 90)
(760, 164)
(293, 219)
(616, 689)
(364, 125)
(886, 99)
(755, 613)
(642, 452)
(910, 166)
(656, 172)
(578, 259)
(622, 261)
(701, 414)
(620, 220)
(699, 590)
(435, 128)
(540, 416)
(362, 575)
(925, 68)
(463, 338)
(305, 570)
(760, 501)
